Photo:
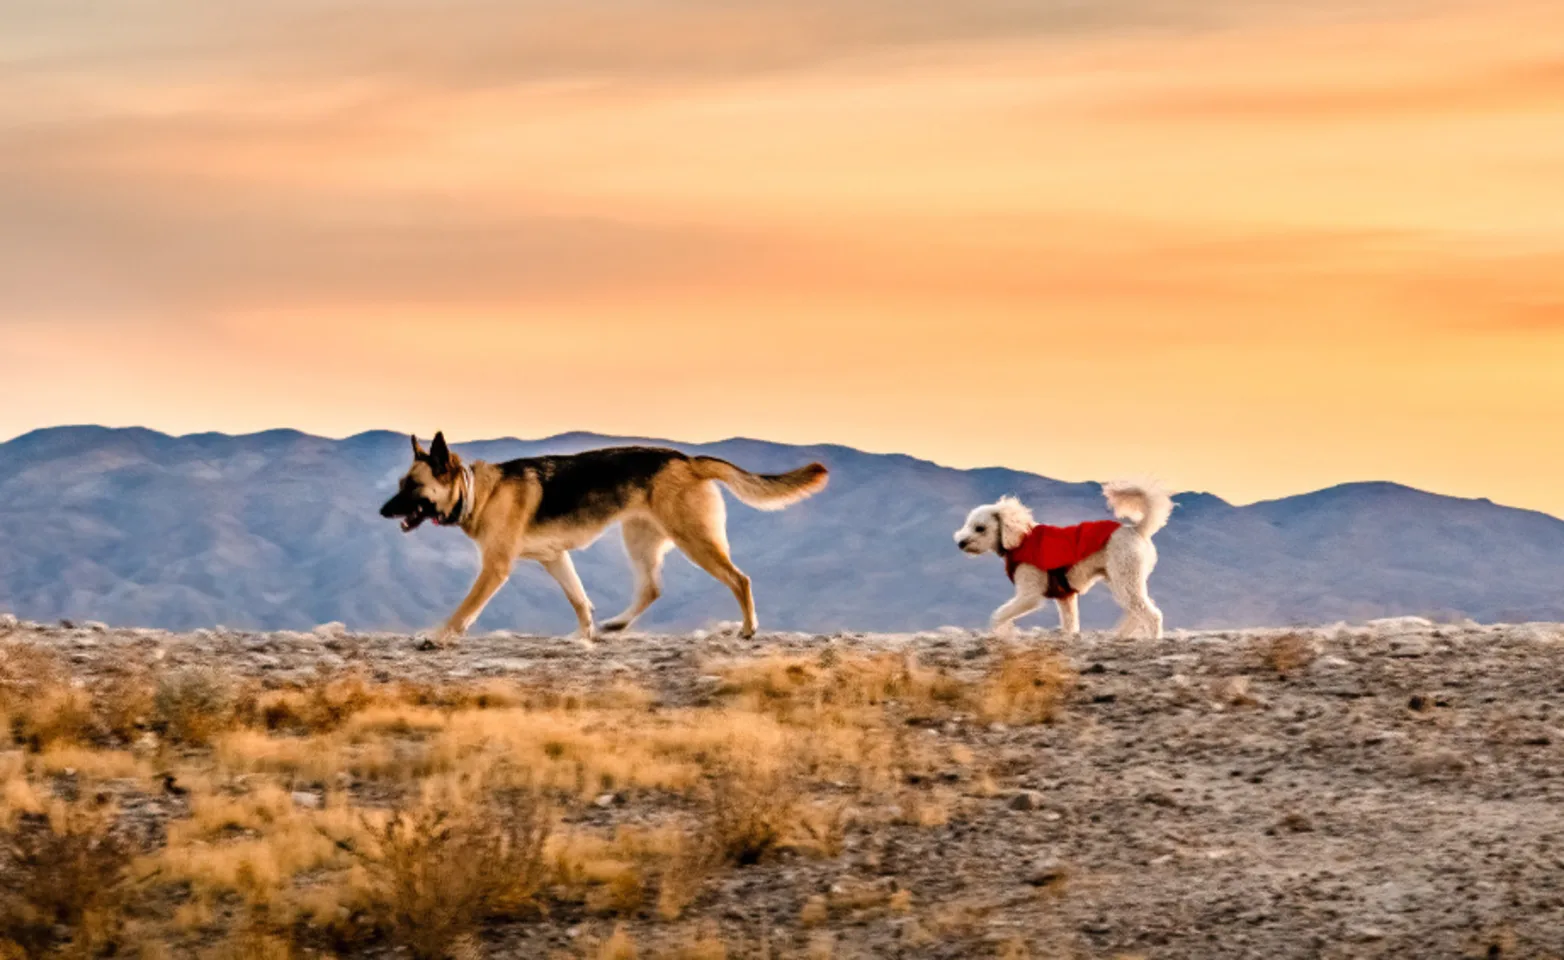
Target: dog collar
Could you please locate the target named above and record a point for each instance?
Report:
(464, 502)
(468, 496)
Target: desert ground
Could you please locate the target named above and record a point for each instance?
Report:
(1391, 789)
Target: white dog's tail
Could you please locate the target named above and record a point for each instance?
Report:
(1146, 505)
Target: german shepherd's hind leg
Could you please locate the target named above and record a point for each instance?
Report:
(491, 577)
(697, 523)
(645, 544)
(564, 571)
(712, 556)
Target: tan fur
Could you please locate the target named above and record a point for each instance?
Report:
(680, 507)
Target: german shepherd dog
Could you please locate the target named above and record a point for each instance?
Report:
(541, 508)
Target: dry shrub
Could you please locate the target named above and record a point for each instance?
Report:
(252, 941)
(860, 897)
(683, 874)
(820, 828)
(322, 706)
(124, 705)
(801, 688)
(17, 796)
(619, 946)
(919, 809)
(617, 875)
(751, 810)
(704, 944)
(1026, 686)
(194, 704)
(439, 869)
(65, 876)
(814, 912)
(1288, 653)
(38, 700)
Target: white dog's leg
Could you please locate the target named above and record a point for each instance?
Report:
(1138, 608)
(1130, 560)
(1031, 584)
(1152, 614)
(1069, 614)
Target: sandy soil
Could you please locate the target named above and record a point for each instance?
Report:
(1394, 789)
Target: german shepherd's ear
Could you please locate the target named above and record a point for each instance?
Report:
(418, 449)
(439, 455)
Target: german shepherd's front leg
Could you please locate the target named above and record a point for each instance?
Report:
(491, 577)
(562, 570)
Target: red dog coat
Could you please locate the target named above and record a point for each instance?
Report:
(1055, 549)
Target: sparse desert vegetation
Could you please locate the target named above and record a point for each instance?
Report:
(1309, 793)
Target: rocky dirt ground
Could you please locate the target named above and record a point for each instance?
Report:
(1394, 789)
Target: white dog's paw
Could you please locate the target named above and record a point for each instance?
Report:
(1003, 631)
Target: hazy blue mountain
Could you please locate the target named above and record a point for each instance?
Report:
(280, 530)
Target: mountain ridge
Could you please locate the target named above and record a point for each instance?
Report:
(277, 529)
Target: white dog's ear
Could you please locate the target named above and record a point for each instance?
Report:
(1015, 521)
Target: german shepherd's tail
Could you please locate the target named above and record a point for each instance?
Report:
(763, 491)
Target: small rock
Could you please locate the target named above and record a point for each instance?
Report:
(1026, 800)
(307, 800)
(1045, 873)
(8, 621)
(95, 626)
(1401, 624)
(333, 629)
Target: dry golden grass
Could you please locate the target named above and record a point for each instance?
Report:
(1027, 685)
(343, 814)
(434, 871)
(193, 704)
(1288, 653)
(68, 870)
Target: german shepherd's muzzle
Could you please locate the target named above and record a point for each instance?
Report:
(540, 508)
(412, 506)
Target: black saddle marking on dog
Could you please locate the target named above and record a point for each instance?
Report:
(589, 486)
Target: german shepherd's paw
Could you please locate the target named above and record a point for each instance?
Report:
(442, 639)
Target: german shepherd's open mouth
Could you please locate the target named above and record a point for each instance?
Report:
(411, 508)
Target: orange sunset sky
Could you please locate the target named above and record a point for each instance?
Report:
(1248, 246)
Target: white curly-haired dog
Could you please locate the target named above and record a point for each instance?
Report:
(1122, 554)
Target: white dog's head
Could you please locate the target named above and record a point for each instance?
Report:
(1006, 522)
